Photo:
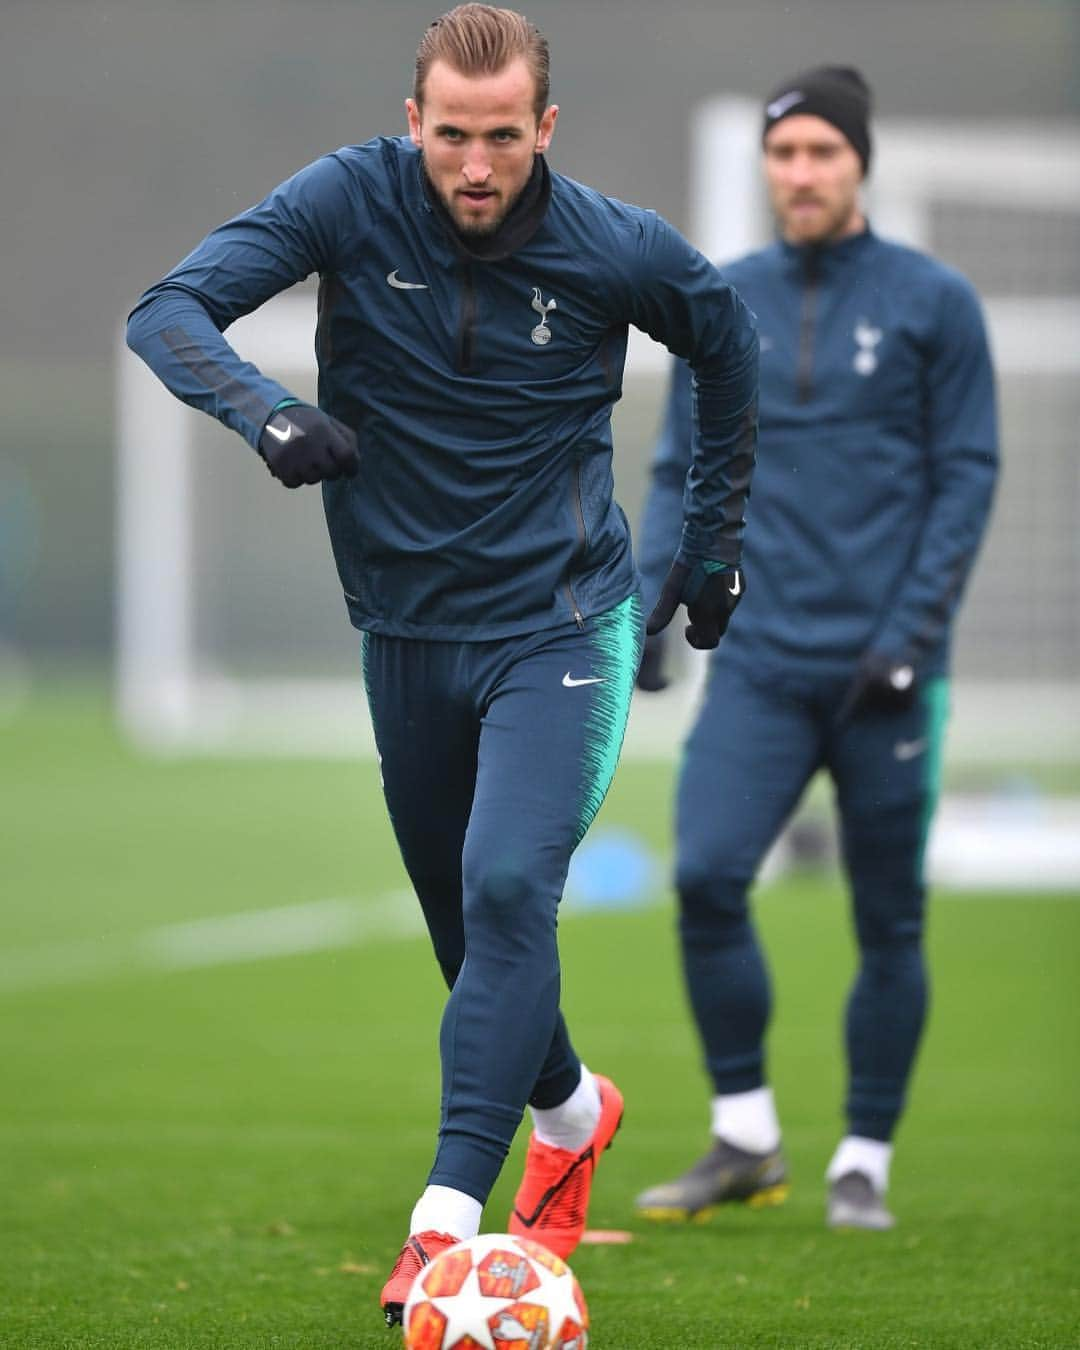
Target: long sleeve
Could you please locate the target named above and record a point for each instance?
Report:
(662, 516)
(962, 454)
(680, 299)
(177, 325)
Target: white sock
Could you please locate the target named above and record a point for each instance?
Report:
(441, 1209)
(571, 1124)
(747, 1119)
(871, 1157)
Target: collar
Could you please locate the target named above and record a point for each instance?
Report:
(522, 221)
(814, 257)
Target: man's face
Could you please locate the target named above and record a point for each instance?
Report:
(478, 135)
(813, 174)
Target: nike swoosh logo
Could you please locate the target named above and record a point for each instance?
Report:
(781, 105)
(902, 677)
(281, 436)
(569, 681)
(392, 278)
(736, 587)
(909, 749)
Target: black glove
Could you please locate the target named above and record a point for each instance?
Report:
(710, 597)
(881, 684)
(302, 444)
(650, 676)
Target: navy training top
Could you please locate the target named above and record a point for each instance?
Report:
(876, 463)
(480, 385)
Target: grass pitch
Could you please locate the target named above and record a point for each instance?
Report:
(224, 1155)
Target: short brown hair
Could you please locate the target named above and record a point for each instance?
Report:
(482, 40)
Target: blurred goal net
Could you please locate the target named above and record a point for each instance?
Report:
(232, 634)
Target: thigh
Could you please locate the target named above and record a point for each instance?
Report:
(887, 773)
(752, 750)
(884, 761)
(426, 733)
(550, 738)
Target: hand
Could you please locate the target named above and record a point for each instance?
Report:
(302, 444)
(710, 593)
(650, 676)
(882, 684)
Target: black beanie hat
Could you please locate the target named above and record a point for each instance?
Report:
(839, 94)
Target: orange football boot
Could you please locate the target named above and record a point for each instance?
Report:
(420, 1250)
(553, 1199)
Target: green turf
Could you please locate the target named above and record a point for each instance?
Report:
(226, 1157)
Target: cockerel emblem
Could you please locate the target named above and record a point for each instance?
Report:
(541, 334)
(866, 340)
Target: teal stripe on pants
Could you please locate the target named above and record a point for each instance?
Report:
(617, 641)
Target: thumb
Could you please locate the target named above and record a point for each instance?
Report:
(668, 603)
(344, 449)
(703, 634)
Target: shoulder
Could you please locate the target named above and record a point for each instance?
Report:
(379, 167)
(919, 270)
(628, 247)
(580, 208)
(345, 193)
(937, 301)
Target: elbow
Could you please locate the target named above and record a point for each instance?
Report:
(162, 307)
(132, 334)
(137, 331)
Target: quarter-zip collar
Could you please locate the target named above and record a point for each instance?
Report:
(809, 265)
(522, 221)
(814, 259)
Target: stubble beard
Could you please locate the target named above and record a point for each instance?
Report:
(471, 229)
(834, 225)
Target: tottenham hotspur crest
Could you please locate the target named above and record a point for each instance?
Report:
(541, 334)
(866, 340)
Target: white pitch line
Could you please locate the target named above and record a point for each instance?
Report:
(288, 930)
(253, 935)
(263, 934)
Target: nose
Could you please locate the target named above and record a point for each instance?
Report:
(801, 170)
(476, 165)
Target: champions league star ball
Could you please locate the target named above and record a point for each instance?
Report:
(496, 1292)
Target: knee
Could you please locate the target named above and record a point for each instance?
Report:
(710, 906)
(889, 920)
(505, 898)
(892, 958)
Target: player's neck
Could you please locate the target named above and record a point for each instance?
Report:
(521, 222)
(853, 225)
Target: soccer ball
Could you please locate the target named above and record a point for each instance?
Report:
(496, 1292)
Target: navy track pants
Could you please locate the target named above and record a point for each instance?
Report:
(495, 758)
(756, 745)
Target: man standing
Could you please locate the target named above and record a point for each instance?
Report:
(875, 476)
(473, 313)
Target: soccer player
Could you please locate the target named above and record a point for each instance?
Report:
(472, 329)
(875, 475)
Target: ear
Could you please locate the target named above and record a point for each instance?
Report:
(546, 128)
(412, 112)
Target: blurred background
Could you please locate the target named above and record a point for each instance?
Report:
(204, 925)
(141, 550)
(133, 128)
